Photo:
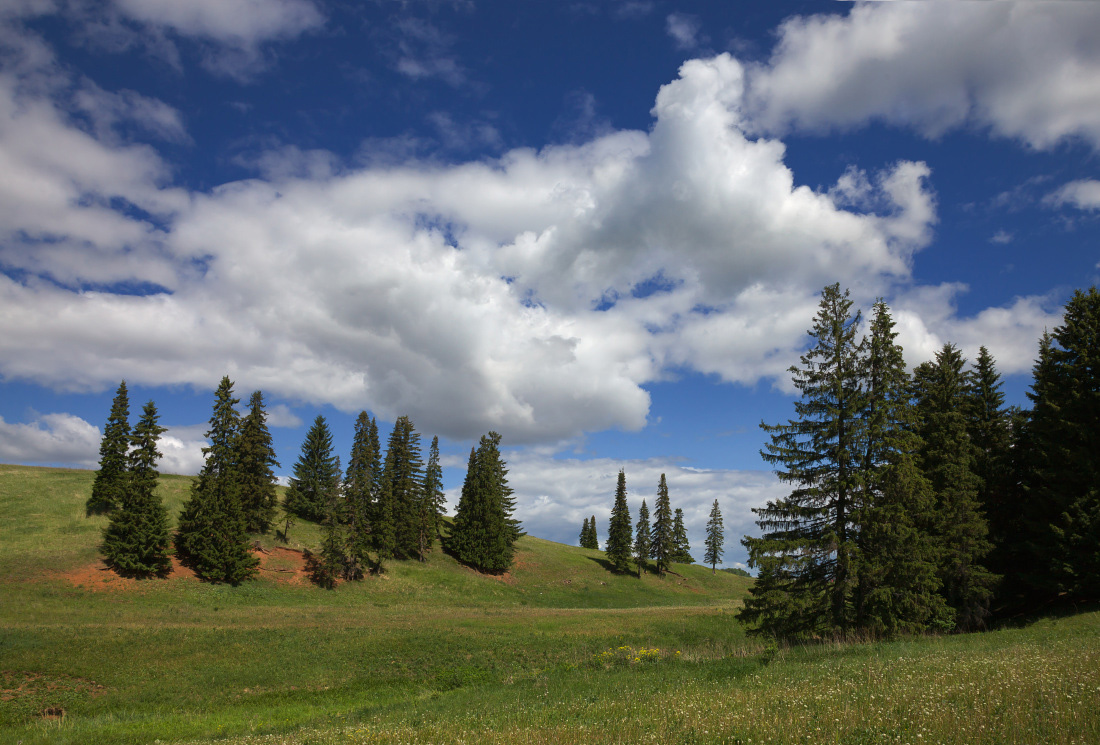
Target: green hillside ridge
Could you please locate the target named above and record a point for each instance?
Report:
(558, 650)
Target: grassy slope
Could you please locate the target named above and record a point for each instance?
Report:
(183, 659)
(437, 653)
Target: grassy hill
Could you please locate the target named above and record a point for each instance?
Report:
(560, 650)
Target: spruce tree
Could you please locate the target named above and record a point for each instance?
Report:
(682, 551)
(1062, 481)
(947, 460)
(359, 495)
(403, 473)
(588, 538)
(619, 530)
(584, 539)
(662, 545)
(594, 533)
(897, 588)
(315, 473)
(110, 479)
(135, 542)
(643, 542)
(484, 532)
(211, 537)
(256, 461)
(429, 515)
(324, 568)
(715, 538)
(805, 555)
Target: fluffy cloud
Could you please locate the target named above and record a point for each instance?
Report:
(1029, 71)
(534, 295)
(1083, 194)
(554, 496)
(50, 438)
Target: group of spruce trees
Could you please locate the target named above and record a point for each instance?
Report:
(920, 502)
(665, 540)
(381, 508)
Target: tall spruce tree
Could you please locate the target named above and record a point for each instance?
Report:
(211, 536)
(682, 551)
(619, 531)
(327, 566)
(897, 587)
(1062, 480)
(315, 474)
(990, 430)
(403, 472)
(805, 555)
(643, 541)
(135, 542)
(359, 495)
(255, 463)
(484, 532)
(947, 459)
(429, 516)
(110, 479)
(715, 539)
(583, 538)
(662, 546)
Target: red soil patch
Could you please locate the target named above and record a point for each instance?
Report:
(279, 564)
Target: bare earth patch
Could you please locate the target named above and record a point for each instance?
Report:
(279, 564)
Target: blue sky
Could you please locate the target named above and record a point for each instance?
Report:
(598, 228)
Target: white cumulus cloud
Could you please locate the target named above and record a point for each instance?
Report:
(50, 438)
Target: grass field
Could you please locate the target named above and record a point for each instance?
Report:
(559, 650)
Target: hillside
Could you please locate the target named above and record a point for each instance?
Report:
(560, 650)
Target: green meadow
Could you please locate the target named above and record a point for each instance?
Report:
(559, 650)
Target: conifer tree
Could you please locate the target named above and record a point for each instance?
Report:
(805, 555)
(619, 532)
(484, 532)
(947, 460)
(643, 542)
(588, 538)
(662, 545)
(1062, 482)
(429, 516)
(110, 479)
(256, 461)
(897, 589)
(326, 567)
(358, 496)
(135, 542)
(682, 551)
(594, 533)
(715, 538)
(584, 539)
(315, 474)
(211, 536)
(403, 472)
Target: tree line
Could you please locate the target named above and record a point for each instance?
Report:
(920, 502)
(664, 540)
(382, 507)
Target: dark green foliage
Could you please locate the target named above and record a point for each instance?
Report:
(643, 541)
(737, 571)
(682, 549)
(326, 567)
(1062, 478)
(619, 531)
(715, 538)
(897, 588)
(589, 536)
(135, 542)
(211, 537)
(403, 474)
(484, 531)
(315, 474)
(805, 556)
(429, 516)
(359, 493)
(662, 546)
(255, 461)
(110, 479)
(947, 459)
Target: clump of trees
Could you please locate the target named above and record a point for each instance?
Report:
(484, 532)
(919, 499)
(664, 540)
